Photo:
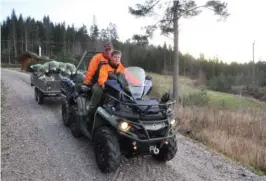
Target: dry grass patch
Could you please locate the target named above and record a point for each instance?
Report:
(239, 134)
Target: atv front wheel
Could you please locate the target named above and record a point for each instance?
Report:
(167, 152)
(107, 150)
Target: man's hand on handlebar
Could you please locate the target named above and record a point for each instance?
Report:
(85, 87)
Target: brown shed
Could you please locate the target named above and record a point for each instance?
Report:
(28, 57)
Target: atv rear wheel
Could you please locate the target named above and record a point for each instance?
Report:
(107, 150)
(167, 152)
(66, 113)
(74, 127)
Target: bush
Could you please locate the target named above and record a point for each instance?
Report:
(220, 83)
(196, 98)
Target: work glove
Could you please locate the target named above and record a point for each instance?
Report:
(85, 87)
(127, 88)
(165, 97)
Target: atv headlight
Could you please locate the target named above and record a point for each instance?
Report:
(124, 126)
(173, 122)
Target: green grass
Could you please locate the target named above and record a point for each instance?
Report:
(163, 83)
(6, 65)
(233, 101)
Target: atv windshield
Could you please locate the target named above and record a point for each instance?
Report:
(135, 77)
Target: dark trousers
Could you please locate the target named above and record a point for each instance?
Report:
(96, 96)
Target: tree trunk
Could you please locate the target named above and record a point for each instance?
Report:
(164, 61)
(176, 55)
(253, 80)
(73, 43)
(26, 40)
(14, 39)
(22, 43)
(15, 45)
(213, 70)
(9, 51)
(46, 46)
(64, 46)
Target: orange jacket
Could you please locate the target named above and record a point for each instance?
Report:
(106, 70)
(93, 67)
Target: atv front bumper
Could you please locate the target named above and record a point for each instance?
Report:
(148, 140)
(147, 146)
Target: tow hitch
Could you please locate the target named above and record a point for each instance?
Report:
(154, 150)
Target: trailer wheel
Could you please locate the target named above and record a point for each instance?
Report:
(36, 94)
(40, 97)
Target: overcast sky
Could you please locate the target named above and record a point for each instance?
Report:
(230, 41)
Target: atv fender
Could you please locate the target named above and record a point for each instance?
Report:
(82, 104)
(102, 118)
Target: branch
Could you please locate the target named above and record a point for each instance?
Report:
(166, 20)
(190, 10)
(168, 36)
(143, 10)
(151, 28)
(149, 9)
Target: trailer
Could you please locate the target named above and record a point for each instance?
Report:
(48, 84)
(45, 86)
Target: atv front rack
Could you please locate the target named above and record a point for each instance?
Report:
(149, 109)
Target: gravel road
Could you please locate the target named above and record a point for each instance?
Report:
(36, 146)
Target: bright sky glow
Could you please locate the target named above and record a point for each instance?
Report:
(230, 40)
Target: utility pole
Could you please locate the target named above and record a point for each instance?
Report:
(176, 54)
(253, 64)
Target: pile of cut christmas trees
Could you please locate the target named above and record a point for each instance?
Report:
(54, 67)
(54, 70)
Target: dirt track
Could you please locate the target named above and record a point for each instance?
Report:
(36, 146)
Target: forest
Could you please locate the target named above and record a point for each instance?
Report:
(67, 43)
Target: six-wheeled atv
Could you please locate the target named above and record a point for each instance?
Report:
(125, 123)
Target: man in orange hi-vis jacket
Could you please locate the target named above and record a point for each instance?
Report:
(91, 75)
(112, 67)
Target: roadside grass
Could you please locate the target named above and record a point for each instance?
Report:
(163, 83)
(230, 124)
